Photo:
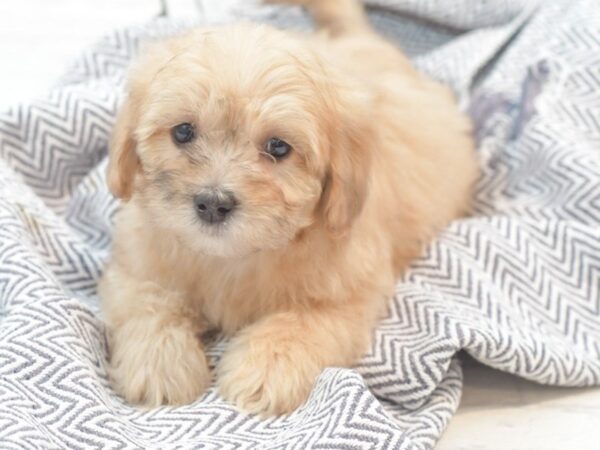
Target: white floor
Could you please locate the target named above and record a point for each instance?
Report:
(38, 38)
(498, 411)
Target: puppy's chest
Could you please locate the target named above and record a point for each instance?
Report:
(232, 298)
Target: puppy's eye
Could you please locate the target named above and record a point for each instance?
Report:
(277, 148)
(183, 133)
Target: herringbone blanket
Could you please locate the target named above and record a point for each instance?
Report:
(517, 285)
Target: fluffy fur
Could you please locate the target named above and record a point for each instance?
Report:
(382, 159)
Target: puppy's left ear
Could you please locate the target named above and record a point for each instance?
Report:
(351, 142)
(123, 160)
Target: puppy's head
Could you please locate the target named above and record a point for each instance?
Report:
(238, 138)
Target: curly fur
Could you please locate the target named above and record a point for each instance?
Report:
(382, 160)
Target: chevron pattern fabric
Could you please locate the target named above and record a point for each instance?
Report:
(517, 285)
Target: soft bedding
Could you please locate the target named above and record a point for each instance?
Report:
(517, 285)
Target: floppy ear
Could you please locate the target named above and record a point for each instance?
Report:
(346, 185)
(123, 161)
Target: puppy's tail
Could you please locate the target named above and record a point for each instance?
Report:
(337, 17)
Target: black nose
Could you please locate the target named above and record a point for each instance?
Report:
(214, 205)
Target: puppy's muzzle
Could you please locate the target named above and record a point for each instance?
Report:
(213, 205)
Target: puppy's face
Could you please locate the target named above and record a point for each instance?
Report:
(233, 139)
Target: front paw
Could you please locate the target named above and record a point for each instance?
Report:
(265, 375)
(158, 366)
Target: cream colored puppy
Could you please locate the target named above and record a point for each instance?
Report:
(275, 185)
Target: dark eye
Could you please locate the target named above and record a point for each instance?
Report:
(183, 133)
(277, 148)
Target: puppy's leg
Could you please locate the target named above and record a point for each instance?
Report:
(270, 366)
(156, 356)
(335, 16)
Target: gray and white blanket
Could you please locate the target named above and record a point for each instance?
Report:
(517, 285)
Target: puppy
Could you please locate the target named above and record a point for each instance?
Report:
(274, 186)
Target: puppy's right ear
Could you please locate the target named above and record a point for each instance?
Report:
(123, 160)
